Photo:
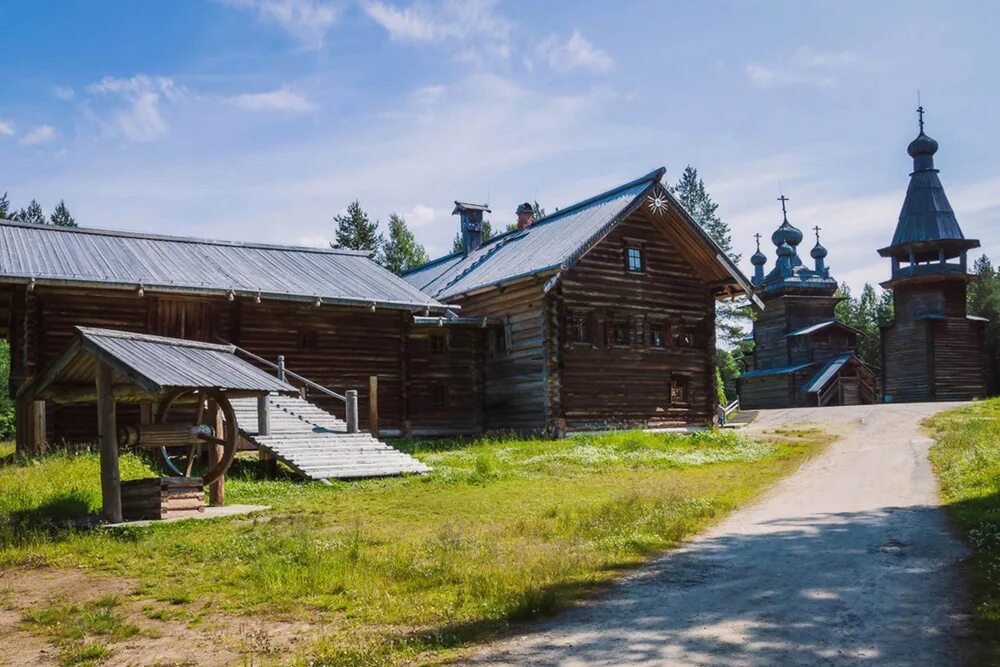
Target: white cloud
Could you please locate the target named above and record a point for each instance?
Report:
(466, 22)
(140, 119)
(577, 53)
(419, 215)
(282, 99)
(40, 135)
(64, 93)
(6, 128)
(308, 21)
(805, 66)
(428, 95)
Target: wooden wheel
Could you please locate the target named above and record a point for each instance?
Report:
(183, 460)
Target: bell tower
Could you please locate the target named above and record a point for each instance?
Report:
(932, 350)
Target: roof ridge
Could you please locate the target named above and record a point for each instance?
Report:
(98, 231)
(153, 338)
(652, 177)
(478, 262)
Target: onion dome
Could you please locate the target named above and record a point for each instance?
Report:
(785, 250)
(758, 258)
(922, 145)
(787, 233)
(818, 251)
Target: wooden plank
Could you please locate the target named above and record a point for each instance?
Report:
(111, 500)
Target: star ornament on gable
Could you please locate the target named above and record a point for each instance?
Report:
(657, 204)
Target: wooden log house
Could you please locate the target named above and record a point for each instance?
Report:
(600, 315)
(933, 349)
(803, 355)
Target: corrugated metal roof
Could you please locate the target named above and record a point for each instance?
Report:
(784, 370)
(819, 380)
(86, 256)
(172, 363)
(547, 244)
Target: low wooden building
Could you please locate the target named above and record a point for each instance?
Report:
(601, 314)
(803, 355)
(336, 317)
(933, 349)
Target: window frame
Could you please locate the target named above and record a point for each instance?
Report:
(435, 348)
(663, 328)
(440, 396)
(680, 384)
(640, 253)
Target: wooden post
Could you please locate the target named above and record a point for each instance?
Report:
(352, 410)
(217, 489)
(269, 464)
(281, 367)
(373, 405)
(29, 421)
(111, 494)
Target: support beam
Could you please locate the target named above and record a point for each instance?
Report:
(217, 489)
(269, 464)
(351, 416)
(111, 494)
(29, 420)
(373, 405)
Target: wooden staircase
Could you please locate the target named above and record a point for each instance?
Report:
(317, 445)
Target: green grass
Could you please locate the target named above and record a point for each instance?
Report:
(966, 457)
(503, 530)
(81, 631)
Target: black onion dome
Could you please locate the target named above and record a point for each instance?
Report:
(787, 233)
(922, 145)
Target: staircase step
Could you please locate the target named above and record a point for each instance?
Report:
(316, 444)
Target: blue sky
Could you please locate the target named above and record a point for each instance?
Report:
(261, 119)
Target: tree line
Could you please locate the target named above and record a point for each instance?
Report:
(34, 214)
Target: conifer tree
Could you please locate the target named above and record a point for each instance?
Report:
(984, 301)
(355, 231)
(401, 252)
(32, 215)
(61, 216)
(4, 206)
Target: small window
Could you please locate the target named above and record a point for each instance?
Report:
(679, 390)
(308, 339)
(634, 259)
(656, 337)
(580, 329)
(439, 343)
(686, 337)
(619, 332)
(499, 340)
(439, 396)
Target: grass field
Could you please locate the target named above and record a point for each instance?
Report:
(383, 571)
(966, 457)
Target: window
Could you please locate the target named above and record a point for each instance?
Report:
(439, 396)
(308, 339)
(634, 260)
(439, 343)
(686, 337)
(499, 337)
(620, 332)
(656, 337)
(679, 390)
(580, 333)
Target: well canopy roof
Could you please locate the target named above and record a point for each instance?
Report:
(555, 242)
(61, 255)
(152, 365)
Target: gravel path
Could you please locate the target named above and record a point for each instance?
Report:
(848, 561)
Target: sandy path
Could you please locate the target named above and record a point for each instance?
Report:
(848, 561)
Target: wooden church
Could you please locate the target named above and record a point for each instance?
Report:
(803, 355)
(933, 348)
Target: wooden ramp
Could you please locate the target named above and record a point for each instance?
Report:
(316, 444)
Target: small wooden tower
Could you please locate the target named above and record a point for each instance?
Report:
(932, 350)
(803, 355)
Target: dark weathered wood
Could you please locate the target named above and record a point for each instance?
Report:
(111, 500)
(217, 489)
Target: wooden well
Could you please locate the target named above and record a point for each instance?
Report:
(162, 498)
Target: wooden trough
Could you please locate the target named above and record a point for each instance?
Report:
(185, 386)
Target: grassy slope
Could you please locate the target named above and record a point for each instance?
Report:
(502, 531)
(966, 457)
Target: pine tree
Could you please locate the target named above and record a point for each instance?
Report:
(731, 317)
(61, 216)
(537, 211)
(4, 206)
(458, 246)
(984, 301)
(32, 215)
(355, 231)
(401, 252)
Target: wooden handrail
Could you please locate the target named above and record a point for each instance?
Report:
(726, 410)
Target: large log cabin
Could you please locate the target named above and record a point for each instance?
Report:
(933, 349)
(601, 314)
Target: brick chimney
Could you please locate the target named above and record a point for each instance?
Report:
(525, 215)
(471, 225)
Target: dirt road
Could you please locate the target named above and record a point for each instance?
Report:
(848, 561)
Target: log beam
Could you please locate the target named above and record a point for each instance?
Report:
(111, 498)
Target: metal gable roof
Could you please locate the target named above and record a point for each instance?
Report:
(813, 328)
(783, 370)
(831, 368)
(110, 258)
(545, 245)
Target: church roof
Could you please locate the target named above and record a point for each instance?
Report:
(926, 217)
(819, 326)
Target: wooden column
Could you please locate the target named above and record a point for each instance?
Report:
(268, 463)
(373, 405)
(29, 427)
(351, 416)
(217, 489)
(111, 494)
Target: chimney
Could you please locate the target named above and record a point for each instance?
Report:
(525, 216)
(471, 226)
